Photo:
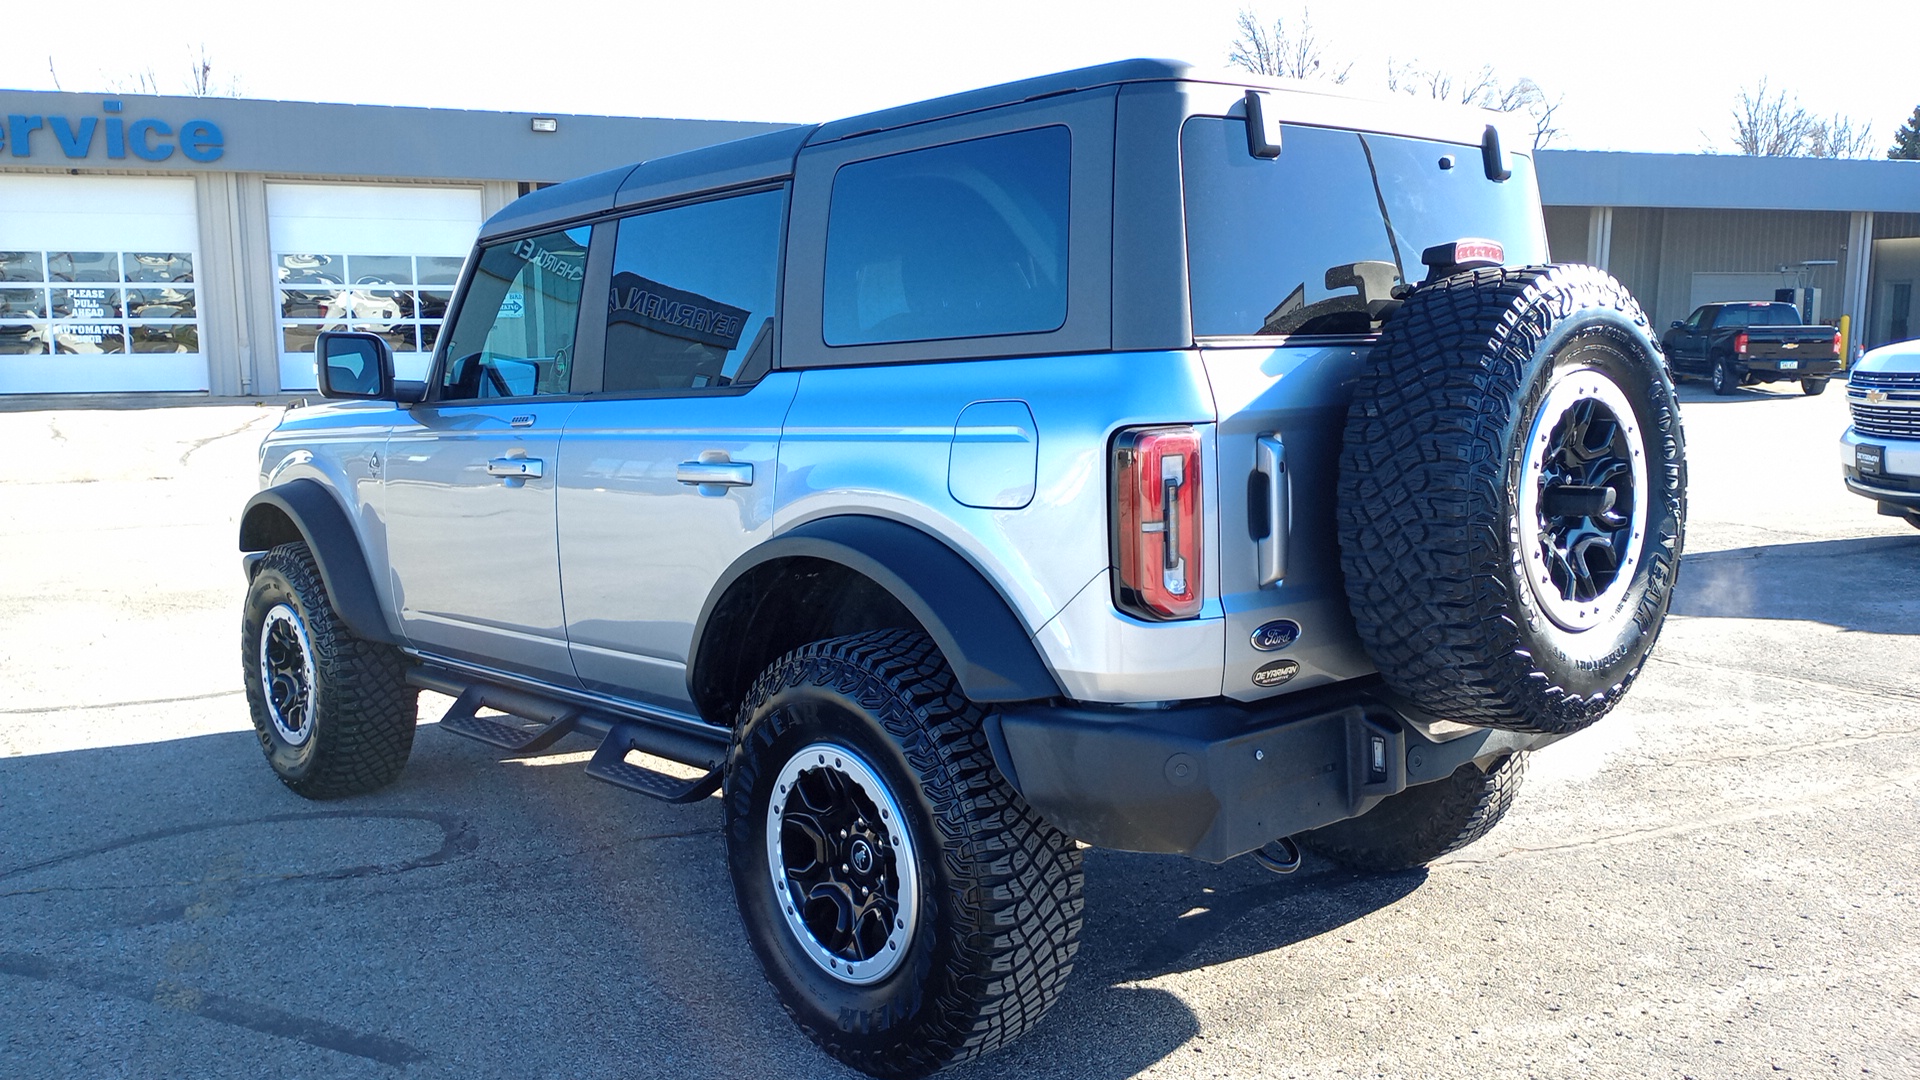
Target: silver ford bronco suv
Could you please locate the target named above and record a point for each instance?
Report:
(1135, 457)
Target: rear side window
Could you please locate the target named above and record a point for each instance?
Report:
(692, 296)
(956, 241)
(1312, 241)
(514, 334)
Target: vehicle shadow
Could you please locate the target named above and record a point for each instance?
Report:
(1869, 583)
(224, 923)
(1697, 392)
(1154, 915)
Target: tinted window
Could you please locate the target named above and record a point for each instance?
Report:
(1776, 315)
(1731, 316)
(514, 336)
(693, 293)
(1300, 244)
(963, 240)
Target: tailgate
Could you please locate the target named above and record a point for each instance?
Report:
(1789, 343)
(1281, 415)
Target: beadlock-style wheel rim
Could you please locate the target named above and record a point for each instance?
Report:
(286, 675)
(842, 864)
(1583, 500)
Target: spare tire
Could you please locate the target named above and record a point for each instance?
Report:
(1512, 497)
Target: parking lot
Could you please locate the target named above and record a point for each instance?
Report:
(1720, 880)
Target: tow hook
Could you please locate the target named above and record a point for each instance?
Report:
(1281, 856)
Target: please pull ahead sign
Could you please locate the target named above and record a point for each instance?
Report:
(145, 139)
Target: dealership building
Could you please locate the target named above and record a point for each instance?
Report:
(198, 245)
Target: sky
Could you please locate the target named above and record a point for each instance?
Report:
(1645, 75)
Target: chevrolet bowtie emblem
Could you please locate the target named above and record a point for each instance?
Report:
(1876, 397)
(1789, 344)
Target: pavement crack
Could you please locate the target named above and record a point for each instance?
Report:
(196, 445)
(173, 995)
(458, 841)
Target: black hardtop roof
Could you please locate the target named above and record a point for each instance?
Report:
(770, 157)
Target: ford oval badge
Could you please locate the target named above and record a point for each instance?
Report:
(1271, 675)
(1276, 635)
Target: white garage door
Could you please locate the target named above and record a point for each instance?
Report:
(97, 285)
(1732, 288)
(380, 258)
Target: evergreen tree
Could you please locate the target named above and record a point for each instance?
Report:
(1906, 141)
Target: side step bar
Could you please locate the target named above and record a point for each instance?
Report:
(548, 719)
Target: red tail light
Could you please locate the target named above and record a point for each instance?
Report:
(1740, 342)
(1836, 341)
(1156, 522)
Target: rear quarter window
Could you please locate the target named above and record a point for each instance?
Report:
(1282, 245)
(963, 240)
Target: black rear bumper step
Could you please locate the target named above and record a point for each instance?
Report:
(1219, 778)
(544, 720)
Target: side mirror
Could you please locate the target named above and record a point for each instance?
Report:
(354, 365)
(1674, 325)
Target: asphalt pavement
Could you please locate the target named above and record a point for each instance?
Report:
(1719, 880)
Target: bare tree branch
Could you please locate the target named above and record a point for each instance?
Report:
(1273, 50)
(1773, 123)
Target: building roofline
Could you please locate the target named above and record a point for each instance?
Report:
(1726, 182)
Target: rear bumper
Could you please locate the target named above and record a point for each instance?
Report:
(1803, 367)
(1216, 779)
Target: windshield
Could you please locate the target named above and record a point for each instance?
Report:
(1311, 242)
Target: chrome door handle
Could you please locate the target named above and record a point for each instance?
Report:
(517, 468)
(722, 473)
(1270, 551)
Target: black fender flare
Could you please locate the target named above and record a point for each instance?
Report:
(986, 644)
(329, 535)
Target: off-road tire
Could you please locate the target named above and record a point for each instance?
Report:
(1422, 823)
(1000, 889)
(1439, 457)
(360, 728)
(1723, 378)
(1813, 387)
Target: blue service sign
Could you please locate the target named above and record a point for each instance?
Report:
(147, 139)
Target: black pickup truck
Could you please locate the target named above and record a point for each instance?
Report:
(1734, 345)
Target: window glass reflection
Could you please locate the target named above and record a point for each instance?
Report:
(23, 339)
(313, 269)
(380, 269)
(299, 338)
(83, 266)
(160, 303)
(439, 269)
(963, 240)
(22, 266)
(159, 266)
(23, 303)
(1314, 241)
(80, 339)
(94, 303)
(84, 294)
(163, 337)
(339, 291)
(692, 294)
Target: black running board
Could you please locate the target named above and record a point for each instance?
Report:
(537, 721)
(611, 765)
